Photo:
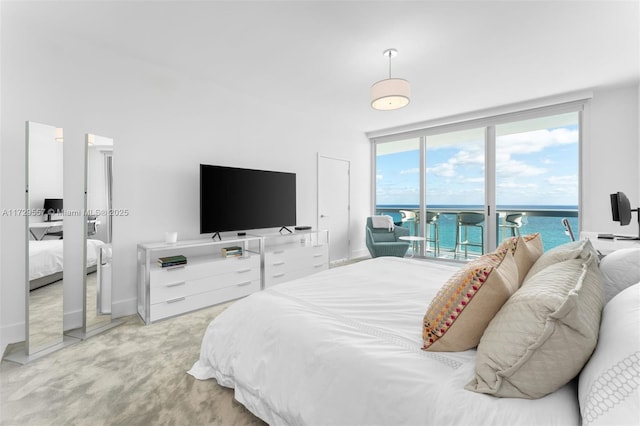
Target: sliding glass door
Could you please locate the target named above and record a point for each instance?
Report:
(537, 177)
(465, 187)
(455, 192)
(398, 183)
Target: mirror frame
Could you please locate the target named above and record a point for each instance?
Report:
(86, 330)
(30, 353)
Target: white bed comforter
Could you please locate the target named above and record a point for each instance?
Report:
(343, 347)
(46, 257)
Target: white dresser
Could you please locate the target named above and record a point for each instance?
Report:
(210, 278)
(291, 256)
(207, 279)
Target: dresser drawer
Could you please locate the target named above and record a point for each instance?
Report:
(279, 276)
(182, 304)
(169, 291)
(189, 272)
(284, 257)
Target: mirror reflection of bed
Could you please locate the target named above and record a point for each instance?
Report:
(46, 287)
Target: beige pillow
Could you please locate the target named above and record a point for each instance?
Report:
(526, 250)
(464, 305)
(544, 334)
(572, 250)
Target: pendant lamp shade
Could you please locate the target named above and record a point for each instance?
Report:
(391, 93)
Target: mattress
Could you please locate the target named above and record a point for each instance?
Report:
(46, 257)
(344, 347)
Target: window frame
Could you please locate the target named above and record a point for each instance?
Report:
(488, 119)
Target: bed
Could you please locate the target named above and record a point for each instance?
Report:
(344, 347)
(46, 260)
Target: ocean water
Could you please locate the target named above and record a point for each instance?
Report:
(547, 220)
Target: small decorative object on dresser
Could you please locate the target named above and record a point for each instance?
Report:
(232, 251)
(169, 261)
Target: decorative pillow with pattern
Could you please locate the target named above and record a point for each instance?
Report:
(572, 250)
(464, 305)
(544, 334)
(526, 250)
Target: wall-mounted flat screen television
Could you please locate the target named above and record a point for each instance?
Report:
(236, 199)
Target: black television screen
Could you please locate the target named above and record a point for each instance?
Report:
(235, 199)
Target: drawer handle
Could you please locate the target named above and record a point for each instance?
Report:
(177, 299)
(242, 271)
(176, 284)
(173, 268)
(278, 252)
(318, 255)
(244, 283)
(279, 263)
(279, 275)
(318, 265)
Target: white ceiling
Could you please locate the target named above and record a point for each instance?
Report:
(322, 56)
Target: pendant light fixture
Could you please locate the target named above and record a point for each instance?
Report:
(391, 93)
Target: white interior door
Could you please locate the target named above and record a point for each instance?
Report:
(334, 205)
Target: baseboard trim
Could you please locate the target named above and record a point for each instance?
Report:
(12, 333)
(124, 308)
(362, 253)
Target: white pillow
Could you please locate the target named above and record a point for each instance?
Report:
(609, 386)
(620, 269)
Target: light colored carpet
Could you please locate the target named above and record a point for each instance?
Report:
(130, 375)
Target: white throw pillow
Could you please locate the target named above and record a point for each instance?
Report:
(609, 387)
(620, 269)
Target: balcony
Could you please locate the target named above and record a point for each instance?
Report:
(548, 221)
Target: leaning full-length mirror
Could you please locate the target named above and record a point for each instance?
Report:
(99, 182)
(44, 286)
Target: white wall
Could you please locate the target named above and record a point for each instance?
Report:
(164, 125)
(610, 159)
(45, 166)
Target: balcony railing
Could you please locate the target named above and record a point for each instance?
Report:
(547, 221)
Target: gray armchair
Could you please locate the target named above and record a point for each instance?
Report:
(382, 242)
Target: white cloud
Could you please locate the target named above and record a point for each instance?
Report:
(530, 142)
(571, 180)
(443, 170)
(413, 171)
(516, 185)
(475, 155)
(508, 167)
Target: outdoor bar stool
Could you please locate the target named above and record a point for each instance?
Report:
(433, 238)
(410, 218)
(468, 220)
(513, 222)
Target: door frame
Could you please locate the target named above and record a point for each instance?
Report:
(329, 157)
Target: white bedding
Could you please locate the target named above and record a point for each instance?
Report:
(344, 347)
(46, 256)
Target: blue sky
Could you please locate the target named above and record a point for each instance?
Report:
(532, 168)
